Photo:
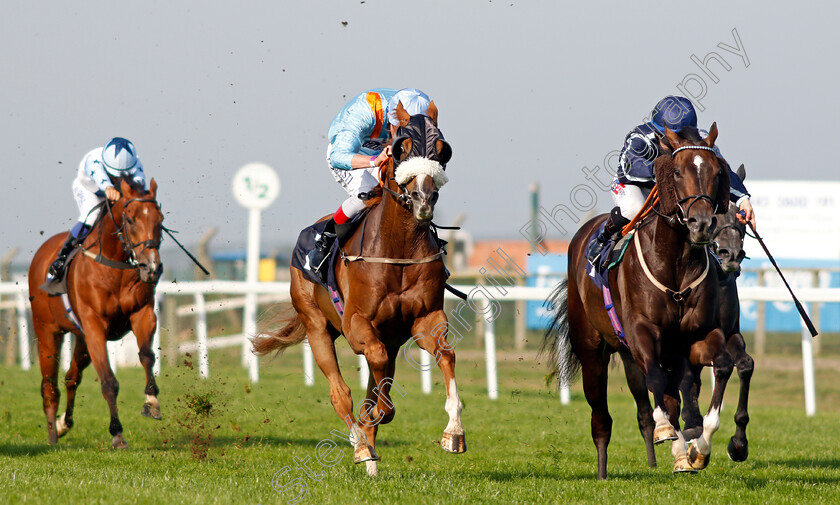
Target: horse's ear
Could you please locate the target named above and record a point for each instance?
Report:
(401, 148)
(712, 136)
(444, 152)
(663, 168)
(673, 138)
(722, 195)
(432, 112)
(742, 173)
(125, 187)
(153, 188)
(402, 116)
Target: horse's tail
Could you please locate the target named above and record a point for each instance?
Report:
(289, 331)
(563, 363)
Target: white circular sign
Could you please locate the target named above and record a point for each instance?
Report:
(256, 186)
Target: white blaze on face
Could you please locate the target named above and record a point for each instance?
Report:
(698, 160)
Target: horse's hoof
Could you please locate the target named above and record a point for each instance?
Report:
(364, 453)
(737, 453)
(696, 459)
(681, 465)
(372, 468)
(53, 437)
(151, 411)
(454, 443)
(664, 433)
(118, 442)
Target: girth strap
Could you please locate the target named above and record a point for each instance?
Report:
(678, 296)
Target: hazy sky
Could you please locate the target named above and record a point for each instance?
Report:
(527, 91)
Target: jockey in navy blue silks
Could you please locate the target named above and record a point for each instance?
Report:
(635, 178)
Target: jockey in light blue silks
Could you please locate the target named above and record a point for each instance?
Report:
(98, 172)
(360, 137)
(635, 178)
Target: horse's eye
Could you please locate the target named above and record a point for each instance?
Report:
(129, 220)
(677, 172)
(415, 194)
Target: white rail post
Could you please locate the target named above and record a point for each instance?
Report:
(112, 354)
(490, 354)
(808, 368)
(66, 349)
(426, 371)
(23, 331)
(308, 372)
(201, 334)
(156, 336)
(364, 371)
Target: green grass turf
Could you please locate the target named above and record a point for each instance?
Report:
(522, 448)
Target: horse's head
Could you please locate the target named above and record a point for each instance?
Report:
(728, 239)
(420, 155)
(138, 216)
(693, 181)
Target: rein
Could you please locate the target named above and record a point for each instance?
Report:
(403, 200)
(127, 245)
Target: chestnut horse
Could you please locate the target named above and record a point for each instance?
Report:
(110, 287)
(666, 297)
(392, 282)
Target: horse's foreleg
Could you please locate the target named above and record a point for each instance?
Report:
(48, 353)
(95, 336)
(647, 356)
(690, 389)
(738, 446)
(323, 349)
(430, 333)
(143, 324)
(81, 359)
(722, 364)
(644, 412)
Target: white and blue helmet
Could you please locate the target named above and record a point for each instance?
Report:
(413, 100)
(119, 157)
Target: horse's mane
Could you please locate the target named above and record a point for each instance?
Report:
(663, 169)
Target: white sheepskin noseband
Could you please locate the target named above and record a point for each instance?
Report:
(412, 167)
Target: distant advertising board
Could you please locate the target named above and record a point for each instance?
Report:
(544, 272)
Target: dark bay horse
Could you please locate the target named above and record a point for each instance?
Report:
(666, 297)
(727, 243)
(110, 287)
(393, 294)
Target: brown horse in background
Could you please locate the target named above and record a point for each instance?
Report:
(666, 297)
(111, 287)
(393, 294)
(727, 243)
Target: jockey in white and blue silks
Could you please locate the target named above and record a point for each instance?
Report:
(360, 136)
(635, 177)
(98, 172)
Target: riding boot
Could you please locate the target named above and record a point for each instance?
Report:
(56, 269)
(318, 256)
(615, 222)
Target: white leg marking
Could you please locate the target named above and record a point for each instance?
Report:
(453, 407)
(61, 426)
(678, 446)
(153, 401)
(711, 423)
(661, 417)
(372, 468)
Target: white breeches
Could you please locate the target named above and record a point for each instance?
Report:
(86, 201)
(357, 181)
(629, 198)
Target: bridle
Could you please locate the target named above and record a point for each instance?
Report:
(128, 246)
(680, 212)
(385, 176)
